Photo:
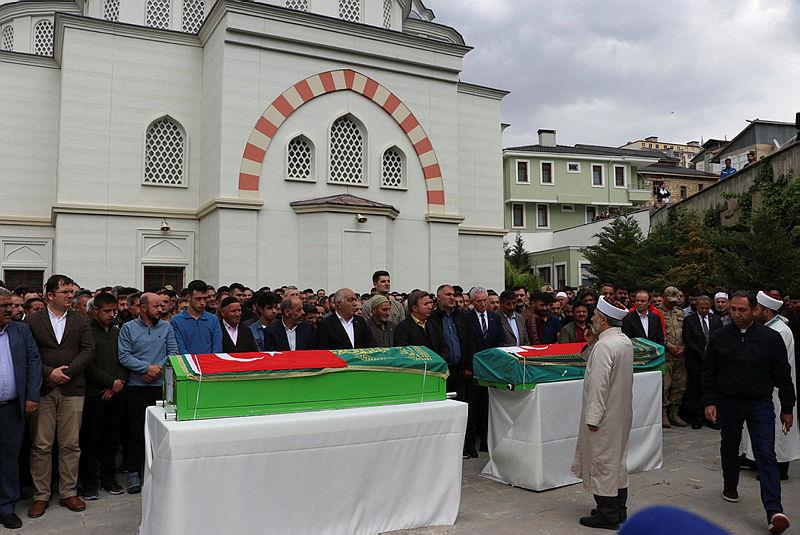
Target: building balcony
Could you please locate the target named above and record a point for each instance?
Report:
(636, 195)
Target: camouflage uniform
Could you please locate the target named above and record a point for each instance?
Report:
(674, 379)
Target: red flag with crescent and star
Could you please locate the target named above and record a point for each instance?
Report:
(222, 363)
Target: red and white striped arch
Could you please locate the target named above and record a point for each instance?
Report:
(328, 82)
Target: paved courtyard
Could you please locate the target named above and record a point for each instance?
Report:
(690, 478)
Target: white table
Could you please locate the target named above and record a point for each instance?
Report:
(532, 434)
(349, 471)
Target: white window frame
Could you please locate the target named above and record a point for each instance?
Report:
(545, 266)
(552, 173)
(365, 159)
(569, 208)
(574, 163)
(581, 265)
(524, 215)
(602, 175)
(555, 274)
(586, 212)
(624, 176)
(404, 179)
(527, 168)
(185, 179)
(313, 176)
(547, 206)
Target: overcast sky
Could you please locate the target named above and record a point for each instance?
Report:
(611, 71)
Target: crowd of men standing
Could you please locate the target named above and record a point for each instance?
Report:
(87, 364)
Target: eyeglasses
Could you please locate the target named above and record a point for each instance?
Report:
(66, 292)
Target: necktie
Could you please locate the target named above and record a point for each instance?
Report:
(483, 323)
(703, 320)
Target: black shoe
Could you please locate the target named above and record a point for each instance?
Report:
(473, 453)
(484, 446)
(598, 521)
(112, 487)
(747, 464)
(11, 521)
(90, 491)
(465, 455)
(730, 495)
(697, 424)
(712, 425)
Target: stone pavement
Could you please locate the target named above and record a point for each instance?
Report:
(691, 478)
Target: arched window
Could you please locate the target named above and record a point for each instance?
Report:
(111, 10)
(43, 38)
(7, 42)
(157, 14)
(393, 168)
(297, 5)
(165, 153)
(350, 10)
(300, 159)
(193, 15)
(347, 151)
(387, 14)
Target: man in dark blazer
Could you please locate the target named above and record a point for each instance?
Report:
(20, 383)
(512, 321)
(66, 345)
(487, 333)
(290, 332)
(231, 326)
(697, 328)
(343, 329)
(633, 324)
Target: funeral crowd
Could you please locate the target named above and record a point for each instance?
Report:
(79, 367)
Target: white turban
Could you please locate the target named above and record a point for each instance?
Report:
(766, 301)
(559, 295)
(720, 295)
(610, 310)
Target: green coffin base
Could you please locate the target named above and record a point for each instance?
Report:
(335, 390)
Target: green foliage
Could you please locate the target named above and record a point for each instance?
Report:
(516, 277)
(618, 244)
(517, 255)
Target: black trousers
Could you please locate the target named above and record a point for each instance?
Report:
(693, 397)
(138, 399)
(99, 438)
(12, 426)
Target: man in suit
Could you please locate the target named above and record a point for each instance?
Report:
(268, 306)
(20, 383)
(416, 329)
(236, 338)
(66, 345)
(512, 322)
(697, 328)
(342, 329)
(575, 331)
(290, 333)
(487, 333)
(642, 322)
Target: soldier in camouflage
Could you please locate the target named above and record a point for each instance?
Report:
(674, 378)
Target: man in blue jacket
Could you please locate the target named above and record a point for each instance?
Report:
(20, 382)
(144, 345)
(197, 332)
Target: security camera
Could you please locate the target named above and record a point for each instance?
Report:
(165, 226)
(361, 218)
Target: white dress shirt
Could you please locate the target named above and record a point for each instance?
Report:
(645, 319)
(233, 332)
(348, 328)
(291, 335)
(58, 324)
(512, 322)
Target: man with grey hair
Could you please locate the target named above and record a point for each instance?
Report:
(382, 282)
(606, 417)
(290, 333)
(377, 311)
(343, 329)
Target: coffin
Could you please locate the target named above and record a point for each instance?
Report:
(523, 367)
(248, 384)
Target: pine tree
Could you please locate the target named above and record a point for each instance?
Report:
(614, 257)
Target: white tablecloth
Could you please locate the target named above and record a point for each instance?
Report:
(349, 471)
(532, 434)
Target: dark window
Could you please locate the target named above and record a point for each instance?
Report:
(700, 187)
(522, 171)
(683, 192)
(597, 175)
(619, 176)
(547, 173)
(561, 276)
(517, 215)
(31, 278)
(156, 277)
(542, 216)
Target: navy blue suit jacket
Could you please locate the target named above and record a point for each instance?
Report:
(27, 362)
(494, 331)
(275, 337)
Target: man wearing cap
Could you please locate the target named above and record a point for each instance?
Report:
(382, 282)
(721, 304)
(606, 417)
(744, 363)
(674, 379)
(377, 310)
(787, 446)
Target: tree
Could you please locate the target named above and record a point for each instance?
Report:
(517, 255)
(615, 256)
(515, 277)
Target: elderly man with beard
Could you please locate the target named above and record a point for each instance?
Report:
(144, 345)
(606, 418)
(380, 309)
(721, 304)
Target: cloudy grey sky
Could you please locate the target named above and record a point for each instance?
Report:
(611, 71)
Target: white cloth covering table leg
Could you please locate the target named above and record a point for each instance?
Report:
(349, 471)
(532, 434)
